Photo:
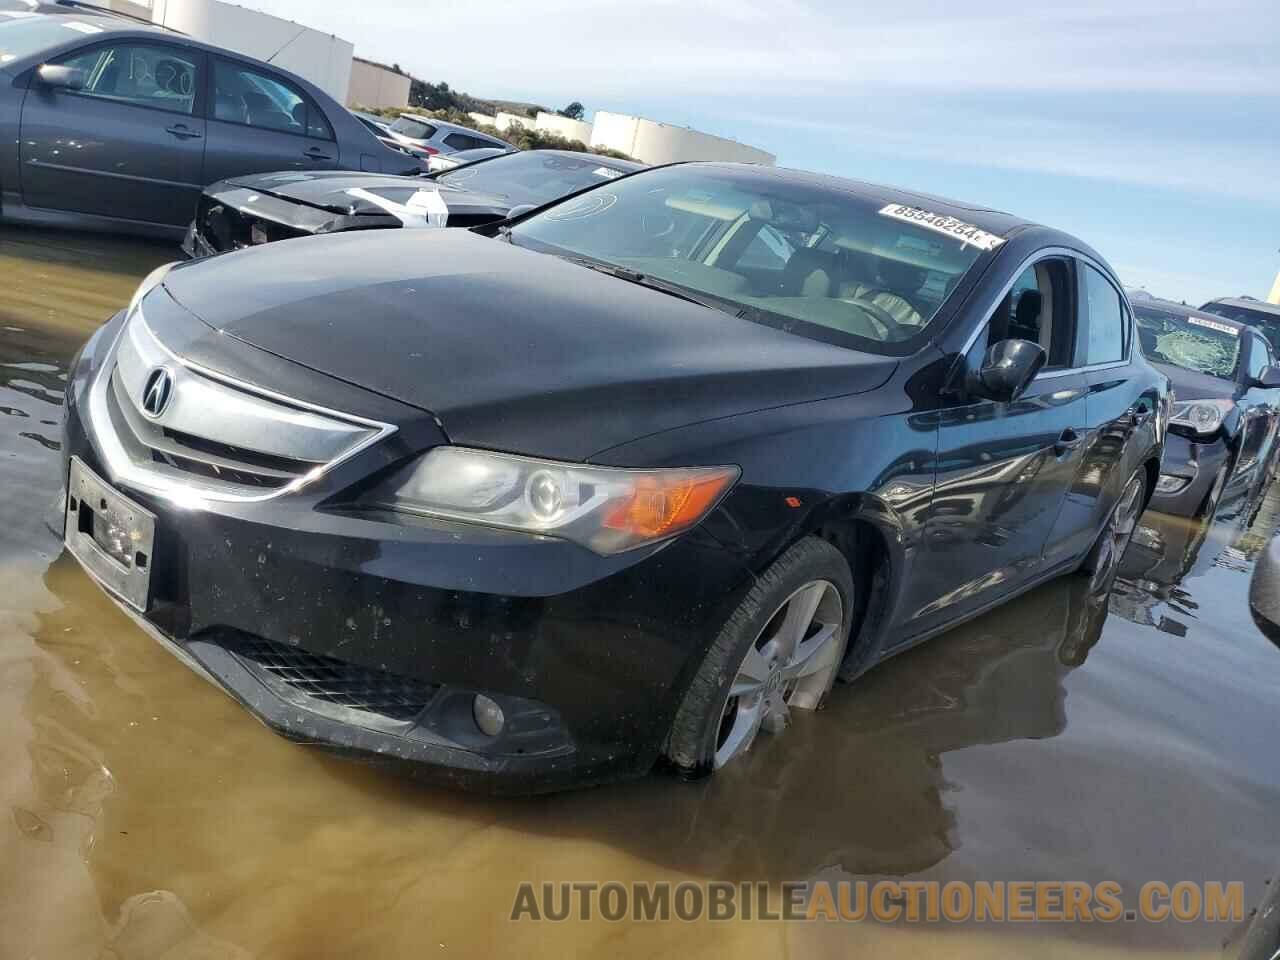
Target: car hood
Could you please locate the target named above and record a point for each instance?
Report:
(511, 349)
(352, 193)
(1190, 385)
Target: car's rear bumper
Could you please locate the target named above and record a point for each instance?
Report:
(373, 634)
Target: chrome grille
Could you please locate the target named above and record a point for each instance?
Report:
(213, 437)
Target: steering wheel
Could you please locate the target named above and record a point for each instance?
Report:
(884, 318)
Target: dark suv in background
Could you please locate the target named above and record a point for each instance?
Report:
(1262, 316)
(123, 123)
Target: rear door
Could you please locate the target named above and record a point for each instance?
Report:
(130, 144)
(1120, 403)
(260, 122)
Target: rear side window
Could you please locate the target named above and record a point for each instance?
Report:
(142, 75)
(1107, 319)
(259, 99)
(413, 129)
(460, 141)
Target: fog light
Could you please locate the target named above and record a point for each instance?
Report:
(1171, 483)
(488, 716)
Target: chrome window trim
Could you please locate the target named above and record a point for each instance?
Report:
(1045, 253)
(190, 492)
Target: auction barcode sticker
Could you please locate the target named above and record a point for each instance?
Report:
(1214, 325)
(966, 233)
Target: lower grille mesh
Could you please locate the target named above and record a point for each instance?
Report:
(335, 681)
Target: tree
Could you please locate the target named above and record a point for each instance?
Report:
(573, 111)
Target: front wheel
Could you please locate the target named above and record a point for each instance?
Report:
(780, 650)
(1104, 558)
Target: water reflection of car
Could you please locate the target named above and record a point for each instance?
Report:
(106, 122)
(1222, 432)
(249, 211)
(539, 503)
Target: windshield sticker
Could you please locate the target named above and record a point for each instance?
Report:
(1214, 325)
(966, 233)
(607, 172)
(82, 27)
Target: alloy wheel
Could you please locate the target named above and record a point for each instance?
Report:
(791, 664)
(1116, 536)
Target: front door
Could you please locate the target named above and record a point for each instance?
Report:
(1004, 468)
(129, 144)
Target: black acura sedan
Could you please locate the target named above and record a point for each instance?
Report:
(1222, 428)
(253, 210)
(635, 476)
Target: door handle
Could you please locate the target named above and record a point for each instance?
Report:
(315, 153)
(183, 132)
(1068, 440)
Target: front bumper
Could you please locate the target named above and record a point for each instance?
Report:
(372, 634)
(1197, 462)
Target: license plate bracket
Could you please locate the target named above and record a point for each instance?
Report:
(111, 535)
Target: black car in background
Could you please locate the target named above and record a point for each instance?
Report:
(106, 122)
(634, 475)
(1262, 316)
(1226, 406)
(248, 211)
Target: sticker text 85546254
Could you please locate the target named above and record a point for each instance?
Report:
(966, 233)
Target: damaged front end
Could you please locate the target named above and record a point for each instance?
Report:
(233, 217)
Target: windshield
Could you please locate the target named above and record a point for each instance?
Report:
(531, 177)
(1268, 323)
(811, 259)
(1193, 343)
(413, 129)
(22, 35)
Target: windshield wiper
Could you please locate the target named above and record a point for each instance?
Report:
(676, 290)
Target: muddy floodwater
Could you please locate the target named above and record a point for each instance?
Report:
(144, 814)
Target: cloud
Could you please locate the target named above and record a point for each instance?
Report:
(747, 48)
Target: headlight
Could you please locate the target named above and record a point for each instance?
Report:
(605, 509)
(1201, 416)
(150, 282)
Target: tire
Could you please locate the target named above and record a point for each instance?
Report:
(1103, 559)
(748, 665)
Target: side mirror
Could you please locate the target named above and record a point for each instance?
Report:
(1269, 379)
(1007, 370)
(58, 76)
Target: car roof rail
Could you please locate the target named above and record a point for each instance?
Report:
(109, 12)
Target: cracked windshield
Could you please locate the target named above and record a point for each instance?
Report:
(626, 508)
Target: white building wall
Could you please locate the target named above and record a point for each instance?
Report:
(505, 120)
(376, 86)
(564, 127)
(652, 142)
(323, 59)
(1275, 291)
(484, 118)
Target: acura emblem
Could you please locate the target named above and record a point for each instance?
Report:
(157, 392)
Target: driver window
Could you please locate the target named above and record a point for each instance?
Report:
(143, 75)
(1039, 308)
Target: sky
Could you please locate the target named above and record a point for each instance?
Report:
(1149, 129)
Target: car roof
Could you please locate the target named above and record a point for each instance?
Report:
(96, 15)
(1248, 303)
(986, 218)
(1182, 310)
